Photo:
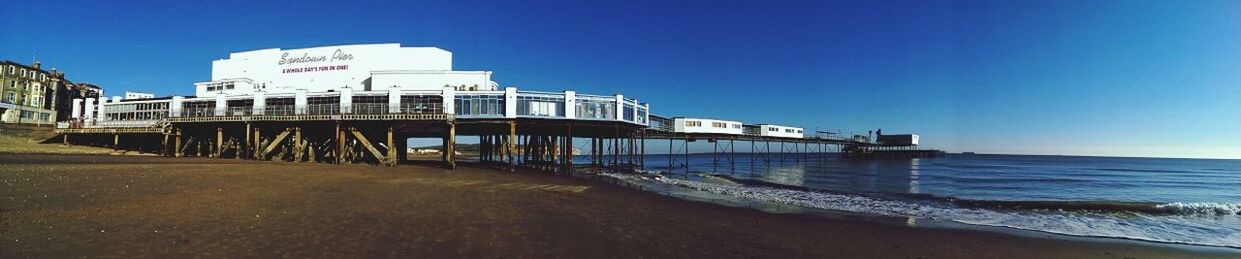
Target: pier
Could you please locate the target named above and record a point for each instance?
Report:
(366, 108)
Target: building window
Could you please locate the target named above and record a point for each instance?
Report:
(736, 126)
(693, 123)
(719, 125)
(12, 98)
(12, 70)
(540, 105)
(479, 105)
(595, 108)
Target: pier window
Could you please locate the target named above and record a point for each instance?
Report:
(719, 125)
(540, 105)
(137, 111)
(595, 108)
(198, 108)
(278, 106)
(323, 105)
(693, 123)
(424, 104)
(641, 115)
(242, 107)
(479, 105)
(370, 104)
(627, 114)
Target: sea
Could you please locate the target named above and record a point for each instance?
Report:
(1167, 200)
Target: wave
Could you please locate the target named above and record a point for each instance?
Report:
(1193, 230)
(1179, 208)
(1216, 208)
(1158, 208)
(1142, 170)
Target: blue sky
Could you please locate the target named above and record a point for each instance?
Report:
(1125, 78)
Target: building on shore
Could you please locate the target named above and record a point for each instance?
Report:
(29, 94)
(69, 98)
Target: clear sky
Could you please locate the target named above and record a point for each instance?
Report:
(1126, 78)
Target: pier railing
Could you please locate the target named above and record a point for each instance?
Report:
(456, 104)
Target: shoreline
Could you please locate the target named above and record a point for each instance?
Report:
(414, 210)
(779, 208)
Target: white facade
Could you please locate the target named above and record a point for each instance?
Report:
(780, 131)
(701, 125)
(137, 95)
(376, 79)
(362, 67)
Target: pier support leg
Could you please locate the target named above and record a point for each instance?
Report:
(512, 149)
(116, 142)
(219, 143)
(162, 144)
(258, 143)
(451, 146)
(297, 144)
(177, 148)
(339, 153)
(391, 148)
(245, 148)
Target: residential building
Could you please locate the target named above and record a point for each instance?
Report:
(28, 93)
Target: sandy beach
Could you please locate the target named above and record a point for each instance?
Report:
(55, 205)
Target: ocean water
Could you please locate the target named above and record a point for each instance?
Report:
(1189, 201)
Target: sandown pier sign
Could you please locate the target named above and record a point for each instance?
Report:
(337, 56)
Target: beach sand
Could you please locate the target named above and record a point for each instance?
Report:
(55, 205)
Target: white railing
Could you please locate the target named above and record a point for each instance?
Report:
(492, 104)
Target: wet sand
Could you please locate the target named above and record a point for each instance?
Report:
(121, 206)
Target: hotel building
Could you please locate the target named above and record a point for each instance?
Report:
(28, 94)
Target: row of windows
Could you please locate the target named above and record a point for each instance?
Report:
(159, 107)
(774, 129)
(595, 109)
(689, 123)
(27, 73)
(129, 116)
(220, 86)
(540, 106)
(43, 116)
(479, 105)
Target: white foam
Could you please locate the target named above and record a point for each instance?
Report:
(1217, 231)
(1203, 208)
